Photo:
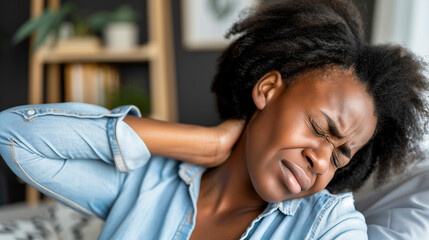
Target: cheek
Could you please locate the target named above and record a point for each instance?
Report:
(272, 131)
(261, 148)
(267, 140)
(273, 128)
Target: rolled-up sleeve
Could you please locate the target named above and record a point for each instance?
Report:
(72, 151)
(128, 149)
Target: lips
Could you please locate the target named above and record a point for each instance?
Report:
(294, 175)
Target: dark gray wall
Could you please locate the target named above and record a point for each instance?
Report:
(13, 84)
(13, 59)
(194, 70)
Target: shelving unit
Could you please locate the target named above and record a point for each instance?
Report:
(157, 52)
(141, 54)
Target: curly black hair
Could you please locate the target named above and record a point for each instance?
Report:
(294, 36)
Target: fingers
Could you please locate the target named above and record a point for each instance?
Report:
(227, 134)
(233, 126)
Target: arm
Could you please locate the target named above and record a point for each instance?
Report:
(65, 151)
(69, 151)
(207, 146)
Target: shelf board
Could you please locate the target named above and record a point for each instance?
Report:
(140, 54)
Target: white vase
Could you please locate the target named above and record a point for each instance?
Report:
(121, 35)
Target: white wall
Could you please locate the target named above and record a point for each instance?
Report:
(405, 22)
(402, 21)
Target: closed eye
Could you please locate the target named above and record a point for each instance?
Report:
(318, 132)
(335, 159)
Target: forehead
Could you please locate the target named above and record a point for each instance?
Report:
(338, 93)
(331, 84)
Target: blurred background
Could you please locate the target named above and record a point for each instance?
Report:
(158, 55)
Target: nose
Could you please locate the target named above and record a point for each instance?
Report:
(318, 159)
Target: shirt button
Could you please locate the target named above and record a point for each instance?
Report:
(31, 112)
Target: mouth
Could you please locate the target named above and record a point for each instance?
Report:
(295, 178)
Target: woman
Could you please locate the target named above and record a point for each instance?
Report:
(318, 108)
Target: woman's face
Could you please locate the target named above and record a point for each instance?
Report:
(299, 137)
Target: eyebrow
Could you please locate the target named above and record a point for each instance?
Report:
(333, 130)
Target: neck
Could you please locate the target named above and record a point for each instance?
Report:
(228, 188)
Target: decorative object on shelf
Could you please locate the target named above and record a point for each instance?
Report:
(67, 30)
(82, 44)
(205, 22)
(46, 25)
(121, 35)
(100, 84)
(53, 31)
(131, 94)
(119, 27)
(90, 83)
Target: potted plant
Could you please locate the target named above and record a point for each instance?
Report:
(130, 94)
(118, 27)
(48, 25)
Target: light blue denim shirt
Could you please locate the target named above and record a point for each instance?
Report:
(86, 157)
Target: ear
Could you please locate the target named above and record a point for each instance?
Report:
(266, 88)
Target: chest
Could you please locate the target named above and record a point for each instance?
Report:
(164, 207)
(169, 213)
(222, 227)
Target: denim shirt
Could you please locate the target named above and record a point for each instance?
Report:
(86, 157)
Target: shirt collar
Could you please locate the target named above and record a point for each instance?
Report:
(288, 207)
(190, 172)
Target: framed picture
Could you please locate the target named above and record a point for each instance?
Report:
(205, 22)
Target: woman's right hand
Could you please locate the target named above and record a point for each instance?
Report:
(207, 146)
(226, 135)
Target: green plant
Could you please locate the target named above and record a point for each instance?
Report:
(50, 21)
(99, 20)
(47, 23)
(131, 94)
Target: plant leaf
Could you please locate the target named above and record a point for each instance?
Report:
(26, 29)
(62, 13)
(52, 23)
(124, 13)
(44, 30)
(98, 21)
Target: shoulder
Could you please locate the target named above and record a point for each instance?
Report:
(325, 203)
(335, 216)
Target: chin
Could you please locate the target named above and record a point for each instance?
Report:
(271, 191)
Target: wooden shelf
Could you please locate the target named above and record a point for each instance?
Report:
(44, 65)
(140, 54)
